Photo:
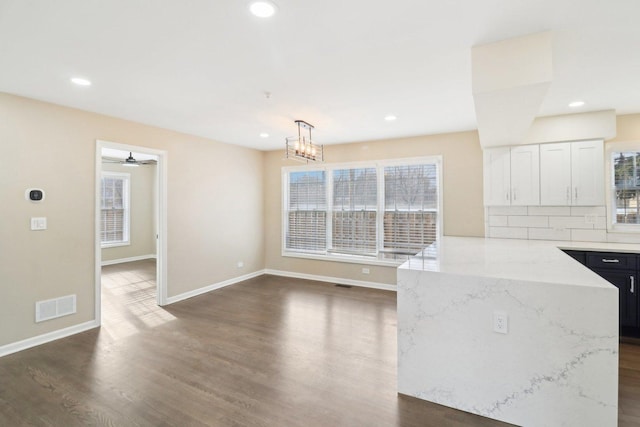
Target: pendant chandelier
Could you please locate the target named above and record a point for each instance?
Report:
(302, 147)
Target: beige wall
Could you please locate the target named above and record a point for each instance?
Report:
(224, 205)
(628, 128)
(141, 213)
(462, 196)
(215, 209)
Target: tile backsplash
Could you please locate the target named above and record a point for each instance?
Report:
(575, 223)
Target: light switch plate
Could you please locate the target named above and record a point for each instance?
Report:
(39, 223)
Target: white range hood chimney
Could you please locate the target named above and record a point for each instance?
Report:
(510, 79)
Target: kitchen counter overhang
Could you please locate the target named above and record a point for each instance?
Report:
(558, 363)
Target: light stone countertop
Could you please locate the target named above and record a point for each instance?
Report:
(525, 260)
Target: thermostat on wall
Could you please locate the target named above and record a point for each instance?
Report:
(34, 194)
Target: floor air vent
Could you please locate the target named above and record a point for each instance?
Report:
(343, 286)
(57, 307)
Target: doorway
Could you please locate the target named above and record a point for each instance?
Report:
(153, 260)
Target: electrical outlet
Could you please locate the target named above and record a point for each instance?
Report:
(240, 264)
(500, 322)
(365, 271)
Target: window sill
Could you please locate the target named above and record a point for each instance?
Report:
(628, 229)
(352, 259)
(114, 244)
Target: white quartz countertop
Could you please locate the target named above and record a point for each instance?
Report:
(526, 260)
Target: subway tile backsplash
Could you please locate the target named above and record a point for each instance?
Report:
(570, 223)
(509, 232)
(589, 235)
(549, 210)
(528, 221)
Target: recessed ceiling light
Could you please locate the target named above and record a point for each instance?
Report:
(390, 118)
(262, 9)
(264, 135)
(80, 81)
(575, 104)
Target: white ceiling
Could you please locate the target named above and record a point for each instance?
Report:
(203, 66)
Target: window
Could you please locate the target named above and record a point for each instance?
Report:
(355, 208)
(626, 173)
(114, 223)
(384, 211)
(307, 211)
(410, 207)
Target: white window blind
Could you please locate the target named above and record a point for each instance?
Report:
(354, 213)
(410, 207)
(388, 209)
(307, 211)
(114, 209)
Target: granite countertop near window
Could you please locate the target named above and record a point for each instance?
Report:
(526, 260)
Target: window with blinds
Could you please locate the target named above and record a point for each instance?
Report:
(626, 173)
(389, 209)
(354, 211)
(410, 207)
(114, 204)
(306, 211)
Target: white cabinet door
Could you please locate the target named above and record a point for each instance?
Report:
(525, 175)
(572, 173)
(587, 173)
(497, 180)
(555, 174)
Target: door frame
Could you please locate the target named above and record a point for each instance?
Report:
(160, 212)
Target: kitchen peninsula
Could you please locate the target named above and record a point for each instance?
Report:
(557, 363)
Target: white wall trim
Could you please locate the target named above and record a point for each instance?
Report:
(213, 287)
(129, 259)
(341, 281)
(76, 329)
(45, 338)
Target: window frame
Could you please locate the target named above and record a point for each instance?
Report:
(379, 165)
(126, 226)
(610, 194)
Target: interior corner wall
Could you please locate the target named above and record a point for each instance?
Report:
(214, 197)
(462, 196)
(142, 183)
(627, 128)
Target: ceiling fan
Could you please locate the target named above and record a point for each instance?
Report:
(129, 161)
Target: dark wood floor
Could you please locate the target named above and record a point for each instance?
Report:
(270, 351)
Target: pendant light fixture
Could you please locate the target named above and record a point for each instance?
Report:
(302, 148)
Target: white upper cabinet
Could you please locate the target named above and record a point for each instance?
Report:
(572, 174)
(555, 174)
(525, 175)
(587, 172)
(511, 176)
(497, 176)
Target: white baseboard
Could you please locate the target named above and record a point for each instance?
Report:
(130, 259)
(45, 338)
(341, 281)
(213, 287)
(71, 330)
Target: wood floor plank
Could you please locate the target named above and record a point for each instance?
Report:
(270, 351)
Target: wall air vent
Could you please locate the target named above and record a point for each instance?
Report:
(57, 307)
